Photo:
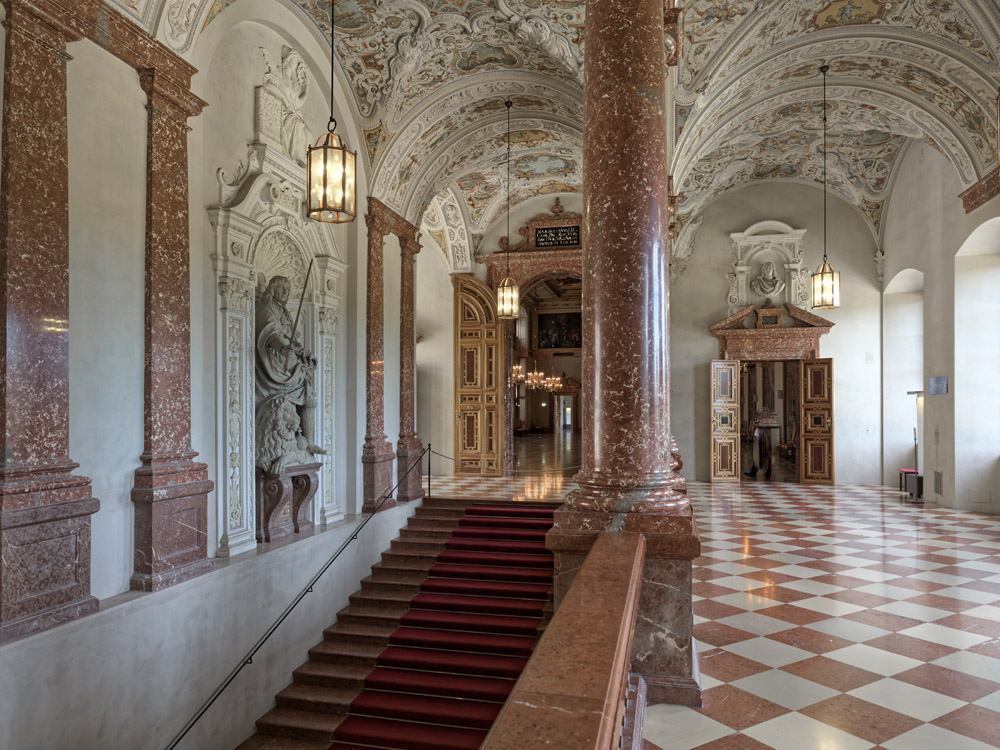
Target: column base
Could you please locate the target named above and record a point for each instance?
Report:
(44, 549)
(377, 468)
(171, 522)
(662, 647)
(411, 487)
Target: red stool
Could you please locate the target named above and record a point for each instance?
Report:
(902, 475)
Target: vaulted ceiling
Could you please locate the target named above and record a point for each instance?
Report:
(430, 77)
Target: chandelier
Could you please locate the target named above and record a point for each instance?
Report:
(507, 292)
(826, 281)
(330, 165)
(517, 373)
(535, 380)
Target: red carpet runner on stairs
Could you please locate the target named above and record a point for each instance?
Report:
(464, 640)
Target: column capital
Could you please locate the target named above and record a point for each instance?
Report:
(409, 246)
(47, 23)
(168, 97)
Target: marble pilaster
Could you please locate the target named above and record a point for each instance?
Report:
(628, 481)
(409, 448)
(44, 508)
(171, 488)
(377, 453)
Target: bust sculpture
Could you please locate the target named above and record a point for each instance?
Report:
(285, 396)
(767, 284)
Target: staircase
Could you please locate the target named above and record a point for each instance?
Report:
(429, 648)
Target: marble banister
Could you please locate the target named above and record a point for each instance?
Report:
(572, 692)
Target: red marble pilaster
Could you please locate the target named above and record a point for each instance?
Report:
(410, 448)
(171, 489)
(44, 508)
(377, 453)
(628, 481)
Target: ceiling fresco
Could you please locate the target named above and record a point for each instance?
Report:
(429, 79)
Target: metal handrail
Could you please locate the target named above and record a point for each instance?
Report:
(248, 659)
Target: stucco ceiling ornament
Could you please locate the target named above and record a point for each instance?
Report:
(535, 31)
(457, 233)
(180, 22)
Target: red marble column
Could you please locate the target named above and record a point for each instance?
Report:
(44, 508)
(410, 447)
(171, 489)
(377, 453)
(628, 481)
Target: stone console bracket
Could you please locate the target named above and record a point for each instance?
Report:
(282, 500)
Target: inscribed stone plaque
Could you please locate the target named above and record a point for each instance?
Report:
(557, 236)
(937, 386)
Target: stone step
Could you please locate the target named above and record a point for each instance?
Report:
(391, 587)
(332, 674)
(364, 635)
(290, 722)
(330, 700)
(271, 742)
(397, 572)
(409, 559)
(379, 600)
(435, 533)
(387, 616)
(416, 545)
(340, 653)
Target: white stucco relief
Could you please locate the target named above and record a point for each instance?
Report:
(261, 232)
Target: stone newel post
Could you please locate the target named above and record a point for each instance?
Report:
(628, 481)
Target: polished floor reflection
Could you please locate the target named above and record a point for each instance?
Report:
(544, 466)
(840, 618)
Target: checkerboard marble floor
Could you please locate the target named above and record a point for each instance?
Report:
(840, 619)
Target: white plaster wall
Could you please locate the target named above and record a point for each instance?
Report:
(698, 300)
(435, 318)
(903, 370)
(977, 399)
(925, 226)
(132, 675)
(107, 173)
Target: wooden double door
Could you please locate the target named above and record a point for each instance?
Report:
(814, 444)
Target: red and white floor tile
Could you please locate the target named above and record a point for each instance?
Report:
(839, 618)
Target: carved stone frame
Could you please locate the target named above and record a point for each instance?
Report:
(263, 223)
(781, 244)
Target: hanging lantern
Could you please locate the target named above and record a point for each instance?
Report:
(330, 165)
(826, 281)
(507, 299)
(826, 288)
(508, 295)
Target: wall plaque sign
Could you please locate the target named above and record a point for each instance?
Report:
(937, 386)
(557, 236)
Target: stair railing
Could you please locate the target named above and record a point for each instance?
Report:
(247, 660)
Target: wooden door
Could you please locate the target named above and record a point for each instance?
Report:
(816, 423)
(479, 427)
(726, 420)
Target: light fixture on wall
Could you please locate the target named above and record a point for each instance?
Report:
(507, 293)
(826, 281)
(331, 166)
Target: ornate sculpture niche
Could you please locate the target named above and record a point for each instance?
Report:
(261, 236)
(767, 264)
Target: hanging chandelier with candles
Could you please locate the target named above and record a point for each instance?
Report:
(507, 293)
(330, 165)
(826, 281)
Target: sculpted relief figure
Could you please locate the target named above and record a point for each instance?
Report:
(534, 30)
(767, 284)
(285, 392)
(289, 82)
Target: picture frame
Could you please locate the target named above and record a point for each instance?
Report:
(559, 329)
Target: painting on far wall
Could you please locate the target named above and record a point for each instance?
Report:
(563, 330)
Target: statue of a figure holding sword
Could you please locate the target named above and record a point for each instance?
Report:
(285, 390)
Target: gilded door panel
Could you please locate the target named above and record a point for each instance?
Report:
(816, 424)
(478, 379)
(725, 421)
